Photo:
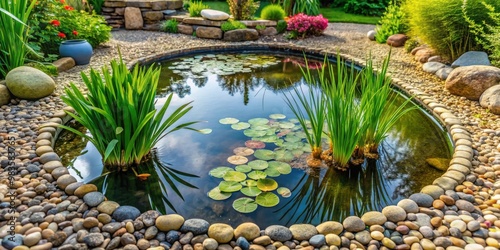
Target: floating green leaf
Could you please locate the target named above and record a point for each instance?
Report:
(284, 155)
(297, 152)
(245, 205)
(292, 138)
(251, 191)
(243, 151)
(267, 199)
(256, 175)
(254, 133)
(229, 186)
(272, 172)
(243, 168)
(229, 120)
(267, 138)
(205, 131)
(249, 183)
(266, 184)
(234, 176)
(219, 172)
(277, 116)
(240, 126)
(286, 125)
(282, 167)
(258, 121)
(237, 159)
(217, 195)
(284, 192)
(261, 127)
(264, 154)
(258, 164)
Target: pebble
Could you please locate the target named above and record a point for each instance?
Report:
(126, 213)
(243, 243)
(373, 218)
(221, 232)
(317, 240)
(93, 239)
(247, 230)
(353, 224)
(262, 240)
(303, 231)
(169, 222)
(394, 213)
(278, 233)
(210, 244)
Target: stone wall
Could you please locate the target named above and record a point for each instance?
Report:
(139, 14)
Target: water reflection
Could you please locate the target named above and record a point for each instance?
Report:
(154, 193)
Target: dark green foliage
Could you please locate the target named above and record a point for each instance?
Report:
(488, 35)
(273, 12)
(393, 21)
(97, 5)
(366, 7)
(281, 26)
(243, 9)
(308, 7)
(170, 26)
(48, 69)
(232, 25)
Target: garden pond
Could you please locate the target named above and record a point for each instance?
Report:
(248, 162)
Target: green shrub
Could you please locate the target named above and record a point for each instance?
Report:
(260, 27)
(393, 21)
(119, 113)
(442, 25)
(273, 12)
(308, 7)
(410, 44)
(488, 35)
(243, 9)
(195, 8)
(232, 25)
(52, 22)
(366, 7)
(47, 68)
(97, 5)
(281, 26)
(170, 26)
(14, 35)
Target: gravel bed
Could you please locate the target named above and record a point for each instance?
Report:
(54, 212)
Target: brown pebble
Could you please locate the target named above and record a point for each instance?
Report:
(47, 233)
(438, 204)
(120, 232)
(436, 222)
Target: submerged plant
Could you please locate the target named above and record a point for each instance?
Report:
(377, 96)
(119, 112)
(313, 104)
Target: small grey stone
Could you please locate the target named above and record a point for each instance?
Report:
(149, 217)
(470, 58)
(172, 236)
(432, 67)
(196, 226)
(353, 224)
(9, 242)
(464, 205)
(317, 240)
(210, 244)
(243, 243)
(408, 205)
(93, 239)
(443, 73)
(126, 213)
(422, 200)
(93, 199)
(278, 233)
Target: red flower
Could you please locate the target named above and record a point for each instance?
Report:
(61, 35)
(67, 7)
(55, 23)
(75, 32)
(62, 1)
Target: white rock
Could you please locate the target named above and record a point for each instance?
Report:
(214, 15)
(371, 35)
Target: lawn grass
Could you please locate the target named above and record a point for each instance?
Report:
(336, 15)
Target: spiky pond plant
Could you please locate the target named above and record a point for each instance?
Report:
(313, 104)
(377, 103)
(119, 112)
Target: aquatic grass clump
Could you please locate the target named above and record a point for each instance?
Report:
(119, 112)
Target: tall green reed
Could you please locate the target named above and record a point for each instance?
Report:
(14, 35)
(310, 111)
(119, 112)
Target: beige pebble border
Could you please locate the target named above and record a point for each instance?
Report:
(460, 165)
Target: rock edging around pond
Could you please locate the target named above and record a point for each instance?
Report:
(436, 217)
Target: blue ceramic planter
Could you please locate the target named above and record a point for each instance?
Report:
(79, 50)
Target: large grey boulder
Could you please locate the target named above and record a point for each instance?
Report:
(470, 58)
(214, 15)
(29, 83)
(241, 35)
(490, 99)
(472, 81)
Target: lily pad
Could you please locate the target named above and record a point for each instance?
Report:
(234, 176)
(230, 186)
(272, 172)
(286, 125)
(264, 154)
(257, 175)
(284, 192)
(240, 126)
(205, 131)
(249, 183)
(284, 155)
(267, 199)
(237, 159)
(217, 195)
(254, 133)
(229, 120)
(245, 205)
(243, 151)
(292, 138)
(243, 168)
(297, 152)
(267, 138)
(282, 167)
(251, 191)
(219, 172)
(255, 144)
(258, 164)
(277, 116)
(258, 121)
(266, 184)
(261, 127)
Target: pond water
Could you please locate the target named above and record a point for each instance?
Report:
(180, 179)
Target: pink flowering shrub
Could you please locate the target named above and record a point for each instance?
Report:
(302, 25)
